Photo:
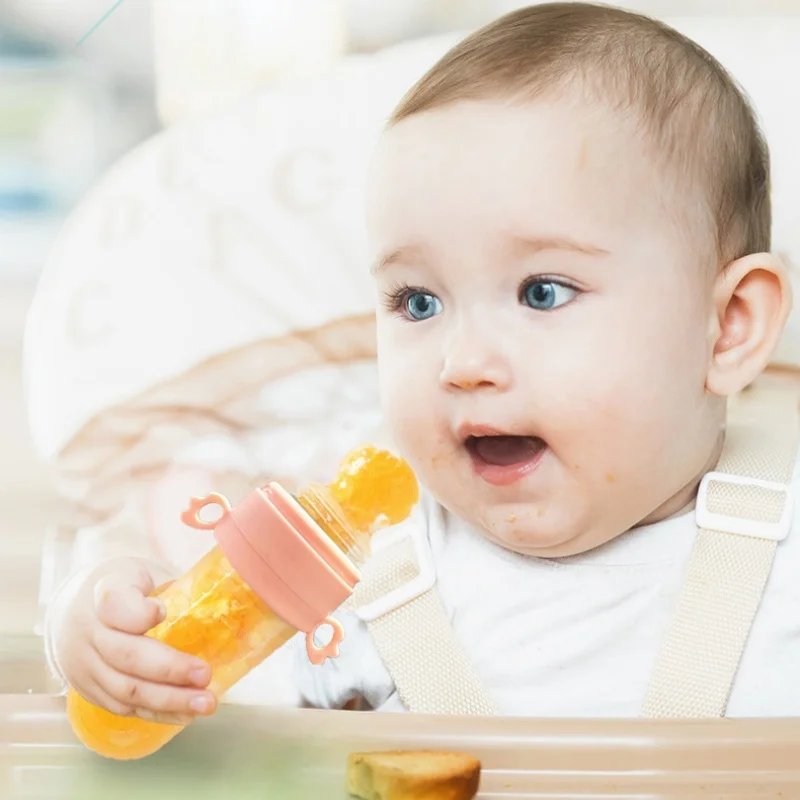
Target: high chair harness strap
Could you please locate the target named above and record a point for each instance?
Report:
(412, 631)
(744, 508)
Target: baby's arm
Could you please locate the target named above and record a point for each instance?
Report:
(94, 633)
(95, 643)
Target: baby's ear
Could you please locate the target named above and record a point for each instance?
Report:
(752, 300)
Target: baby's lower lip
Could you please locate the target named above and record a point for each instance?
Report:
(506, 474)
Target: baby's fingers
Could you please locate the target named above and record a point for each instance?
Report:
(154, 701)
(125, 607)
(150, 660)
(100, 697)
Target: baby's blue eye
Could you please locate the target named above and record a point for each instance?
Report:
(421, 305)
(547, 295)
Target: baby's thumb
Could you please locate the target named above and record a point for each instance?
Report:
(121, 601)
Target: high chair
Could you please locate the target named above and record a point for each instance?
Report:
(219, 267)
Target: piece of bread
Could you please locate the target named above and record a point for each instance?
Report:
(413, 775)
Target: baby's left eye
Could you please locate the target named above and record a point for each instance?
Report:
(543, 295)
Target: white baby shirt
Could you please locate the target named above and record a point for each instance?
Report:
(572, 637)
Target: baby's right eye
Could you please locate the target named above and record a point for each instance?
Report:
(421, 305)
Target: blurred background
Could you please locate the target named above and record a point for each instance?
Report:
(83, 85)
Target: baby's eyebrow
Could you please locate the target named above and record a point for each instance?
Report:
(394, 257)
(527, 245)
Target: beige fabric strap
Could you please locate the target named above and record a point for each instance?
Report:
(727, 572)
(430, 667)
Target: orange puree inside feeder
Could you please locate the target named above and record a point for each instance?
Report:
(213, 613)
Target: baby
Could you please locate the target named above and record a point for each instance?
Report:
(570, 222)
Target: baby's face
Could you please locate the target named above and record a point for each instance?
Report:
(544, 326)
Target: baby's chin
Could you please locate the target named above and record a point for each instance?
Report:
(530, 533)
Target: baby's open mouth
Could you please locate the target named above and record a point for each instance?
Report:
(504, 451)
(501, 459)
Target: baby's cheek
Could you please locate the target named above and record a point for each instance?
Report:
(405, 422)
(595, 440)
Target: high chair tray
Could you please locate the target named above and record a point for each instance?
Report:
(249, 752)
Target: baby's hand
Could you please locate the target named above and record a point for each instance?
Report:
(99, 646)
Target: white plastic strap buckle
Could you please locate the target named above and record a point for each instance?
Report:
(423, 582)
(772, 531)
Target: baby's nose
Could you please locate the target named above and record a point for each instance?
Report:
(470, 365)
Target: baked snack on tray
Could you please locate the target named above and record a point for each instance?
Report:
(413, 775)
